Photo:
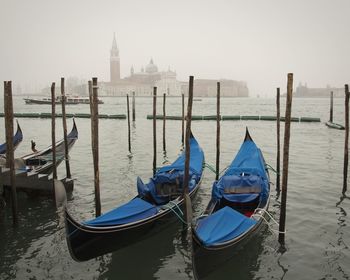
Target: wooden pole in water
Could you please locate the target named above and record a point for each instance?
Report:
(183, 119)
(133, 107)
(8, 109)
(95, 151)
(128, 109)
(164, 117)
(282, 223)
(346, 146)
(64, 122)
(154, 130)
(187, 199)
(331, 108)
(278, 118)
(53, 139)
(217, 131)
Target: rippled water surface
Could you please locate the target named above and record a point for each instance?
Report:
(317, 240)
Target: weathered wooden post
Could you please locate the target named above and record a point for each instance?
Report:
(278, 120)
(64, 122)
(218, 117)
(95, 151)
(282, 223)
(133, 107)
(183, 119)
(187, 199)
(128, 110)
(154, 130)
(53, 139)
(164, 119)
(346, 146)
(8, 109)
(331, 108)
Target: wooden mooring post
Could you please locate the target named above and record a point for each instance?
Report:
(187, 199)
(183, 119)
(8, 109)
(278, 164)
(133, 106)
(128, 111)
(164, 119)
(53, 139)
(331, 108)
(64, 122)
(217, 131)
(154, 130)
(282, 222)
(346, 146)
(95, 151)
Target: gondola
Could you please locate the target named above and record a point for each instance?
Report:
(235, 213)
(17, 139)
(40, 162)
(158, 202)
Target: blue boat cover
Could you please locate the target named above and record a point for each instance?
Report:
(174, 173)
(135, 210)
(245, 176)
(224, 225)
(17, 138)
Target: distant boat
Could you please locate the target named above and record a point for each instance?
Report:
(197, 99)
(70, 100)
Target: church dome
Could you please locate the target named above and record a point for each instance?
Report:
(151, 67)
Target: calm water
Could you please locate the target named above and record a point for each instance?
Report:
(317, 239)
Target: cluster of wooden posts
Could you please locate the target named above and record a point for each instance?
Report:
(93, 95)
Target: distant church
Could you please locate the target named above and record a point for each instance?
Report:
(142, 82)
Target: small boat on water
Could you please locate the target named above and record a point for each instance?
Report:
(334, 125)
(70, 100)
(158, 203)
(40, 162)
(235, 213)
(17, 139)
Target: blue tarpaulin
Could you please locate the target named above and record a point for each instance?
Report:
(134, 210)
(247, 170)
(223, 225)
(173, 173)
(17, 138)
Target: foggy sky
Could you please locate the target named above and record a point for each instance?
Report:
(257, 41)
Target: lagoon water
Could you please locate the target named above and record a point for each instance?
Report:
(318, 226)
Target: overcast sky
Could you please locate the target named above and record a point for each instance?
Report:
(257, 41)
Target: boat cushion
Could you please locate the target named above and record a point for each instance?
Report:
(224, 225)
(241, 198)
(134, 210)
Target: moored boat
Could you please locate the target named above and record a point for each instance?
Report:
(41, 161)
(235, 213)
(334, 125)
(70, 100)
(158, 203)
(17, 139)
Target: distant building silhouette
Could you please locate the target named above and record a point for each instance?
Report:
(304, 91)
(142, 82)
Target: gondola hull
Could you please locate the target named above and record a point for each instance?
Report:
(206, 259)
(86, 242)
(334, 125)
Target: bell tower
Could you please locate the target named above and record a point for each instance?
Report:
(114, 62)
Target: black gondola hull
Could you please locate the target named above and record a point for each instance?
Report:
(86, 242)
(206, 259)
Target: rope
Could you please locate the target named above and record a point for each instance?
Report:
(268, 166)
(176, 214)
(267, 223)
(210, 167)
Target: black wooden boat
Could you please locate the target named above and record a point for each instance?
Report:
(41, 161)
(70, 100)
(17, 139)
(235, 213)
(158, 202)
(334, 125)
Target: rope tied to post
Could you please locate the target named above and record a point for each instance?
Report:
(269, 167)
(260, 212)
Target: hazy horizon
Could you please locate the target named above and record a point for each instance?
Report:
(258, 42)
